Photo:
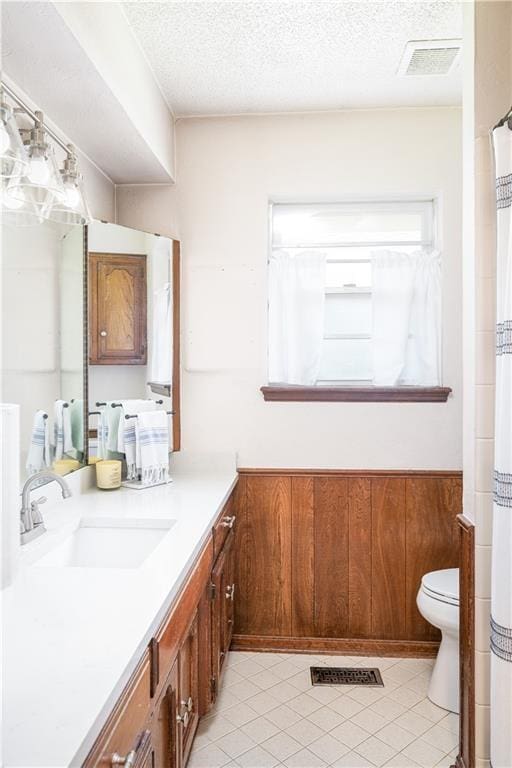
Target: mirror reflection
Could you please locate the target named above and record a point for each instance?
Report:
(130, 286)
(42, 342)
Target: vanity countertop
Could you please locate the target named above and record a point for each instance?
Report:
(73, 636)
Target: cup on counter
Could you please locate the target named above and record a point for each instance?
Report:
(108, 474)
(65, 466)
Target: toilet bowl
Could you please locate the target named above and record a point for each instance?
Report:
(438, 603)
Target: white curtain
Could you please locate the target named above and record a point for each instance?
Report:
(501, 592)
(406, 310)
(296, 316)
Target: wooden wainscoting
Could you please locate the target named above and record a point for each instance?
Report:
(332, 560)
(466, 756)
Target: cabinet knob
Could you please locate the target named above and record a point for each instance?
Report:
(103, 333)
(228, 521)
(183, 719)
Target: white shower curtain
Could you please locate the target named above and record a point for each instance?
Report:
(406, 308)
(296, 316)
(501, 593)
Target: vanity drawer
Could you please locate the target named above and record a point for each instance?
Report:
(126, 726)
(223, 525)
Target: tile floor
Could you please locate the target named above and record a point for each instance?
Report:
(268, 714)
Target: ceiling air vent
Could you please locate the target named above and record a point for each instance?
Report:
(429, 57)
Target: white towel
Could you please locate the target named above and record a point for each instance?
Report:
(103, 432)
(39, 451)
(76, 409)
(161, 336)
(152, 447)
(126, 439)
(62, 429)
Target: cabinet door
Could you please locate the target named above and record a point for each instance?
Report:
(164, 726)
(117, 309)
(188, 689)
(222, 610)
(228, 594)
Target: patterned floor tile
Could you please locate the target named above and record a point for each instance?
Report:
(268, 715)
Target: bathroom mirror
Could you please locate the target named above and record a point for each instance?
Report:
(42, 276)
(133, 323)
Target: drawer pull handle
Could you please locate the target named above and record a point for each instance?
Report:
(230, 592)
(127, 761)
(188, 705)
(228, 521)
(130, 759)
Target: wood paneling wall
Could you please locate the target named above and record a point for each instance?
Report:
(324, 557)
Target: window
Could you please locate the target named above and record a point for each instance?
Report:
(342, 334)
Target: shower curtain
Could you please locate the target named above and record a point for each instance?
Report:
(501, 597)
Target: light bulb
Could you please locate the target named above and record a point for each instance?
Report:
(5, 141)
(72, 196)
(38, 171)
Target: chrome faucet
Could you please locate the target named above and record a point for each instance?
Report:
(31, 522)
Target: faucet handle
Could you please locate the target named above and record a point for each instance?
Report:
(37, 517)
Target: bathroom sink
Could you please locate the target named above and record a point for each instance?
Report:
(108, 543)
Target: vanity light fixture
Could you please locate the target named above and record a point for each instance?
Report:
(73, 208)
(41, 183)
(12, 152)
(34, 189)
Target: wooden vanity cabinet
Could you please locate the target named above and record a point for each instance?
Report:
(178, 679)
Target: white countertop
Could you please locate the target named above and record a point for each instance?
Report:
(73, 636)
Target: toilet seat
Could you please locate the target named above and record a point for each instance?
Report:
(442, 586)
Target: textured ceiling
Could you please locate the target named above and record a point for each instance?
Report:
(238, 57)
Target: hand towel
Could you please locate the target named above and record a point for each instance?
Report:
(126, 439)
(62, 429)
(161, 336)
(39, 450)
(76, 408)
(152, 447)
(103, 432)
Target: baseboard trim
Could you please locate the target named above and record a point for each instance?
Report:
(334, 645)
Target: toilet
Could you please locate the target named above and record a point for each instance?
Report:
(438, 603)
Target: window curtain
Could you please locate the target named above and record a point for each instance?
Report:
(406, 310)
(501, 589)
(296, 316)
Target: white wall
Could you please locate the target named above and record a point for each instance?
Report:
(150, 207)
(228, 170)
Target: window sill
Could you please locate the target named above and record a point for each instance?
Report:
(354, 394)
